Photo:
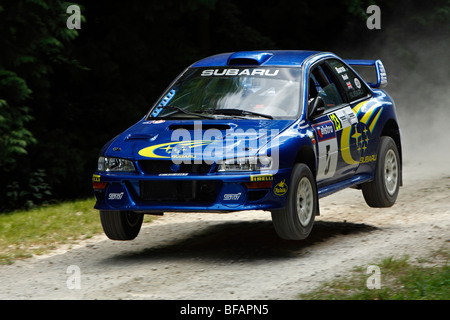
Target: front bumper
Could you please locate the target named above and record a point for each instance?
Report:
(210, 192)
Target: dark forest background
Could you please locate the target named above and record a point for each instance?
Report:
(64, 93)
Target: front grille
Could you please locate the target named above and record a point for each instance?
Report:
(179, 191)
(167, 166)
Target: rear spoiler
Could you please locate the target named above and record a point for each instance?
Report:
(379, 69)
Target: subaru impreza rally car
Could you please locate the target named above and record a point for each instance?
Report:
(256, 130)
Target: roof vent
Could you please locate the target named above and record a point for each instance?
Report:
(249, 58)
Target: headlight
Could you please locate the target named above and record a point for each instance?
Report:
(246, 164)
(115, 164)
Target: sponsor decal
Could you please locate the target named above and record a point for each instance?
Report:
(344, 76)
(280, 188)
(171, 150)
(355, 93)
(340, 69)
(240, 72)
(349, 85)
(337, 123)
(325, 130)
(173, 174)
(357, 83)
(231, 196)
(367, 159)
(266, 177)
(95, 178)
(115, 196)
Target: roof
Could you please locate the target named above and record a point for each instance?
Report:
(287, 58)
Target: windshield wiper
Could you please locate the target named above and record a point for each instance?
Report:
(237, 112)
(187, 112)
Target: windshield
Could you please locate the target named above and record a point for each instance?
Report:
(237, 91)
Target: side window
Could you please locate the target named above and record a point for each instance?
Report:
(353, 88)
(322, 84)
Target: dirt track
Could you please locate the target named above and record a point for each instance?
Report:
(238, 255)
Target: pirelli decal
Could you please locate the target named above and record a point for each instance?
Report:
(265, 177)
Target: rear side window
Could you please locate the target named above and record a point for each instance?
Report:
(353, 87)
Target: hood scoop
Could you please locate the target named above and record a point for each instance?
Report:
(141, 136)
(196, 127)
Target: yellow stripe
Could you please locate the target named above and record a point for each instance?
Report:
(368, 114)
(358, 107)
(374, 122)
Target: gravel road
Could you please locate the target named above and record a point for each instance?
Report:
(238, 255)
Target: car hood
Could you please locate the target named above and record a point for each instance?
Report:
(211, 140)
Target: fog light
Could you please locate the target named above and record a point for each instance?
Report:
(99, 185)
(258, 185)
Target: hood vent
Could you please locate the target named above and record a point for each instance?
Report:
(204, 126)
(140, 136)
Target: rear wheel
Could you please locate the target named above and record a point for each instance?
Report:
(383, 190)
(121, 225)
(296, 220)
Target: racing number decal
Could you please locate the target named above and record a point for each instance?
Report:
(328, 149)
(336, 121)
(328, 158)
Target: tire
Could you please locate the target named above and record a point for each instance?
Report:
(382, 192)
(121, 225)
(295, 221)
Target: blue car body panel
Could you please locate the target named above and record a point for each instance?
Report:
(341, 145)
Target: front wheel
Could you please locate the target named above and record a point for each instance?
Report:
(296, 220)
(383, 190)
(121, 225)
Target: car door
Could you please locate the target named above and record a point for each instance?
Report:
(362, 137)
(334, 129)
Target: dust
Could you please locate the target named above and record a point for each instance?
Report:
(421, 94)
(420, 88)
(417, 67)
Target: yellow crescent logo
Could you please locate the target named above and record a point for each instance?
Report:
(345, 146)
(164, 151)
(346, 132)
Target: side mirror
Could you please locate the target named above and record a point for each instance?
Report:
(316, 107)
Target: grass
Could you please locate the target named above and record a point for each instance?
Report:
(38, 231)
(400, 279)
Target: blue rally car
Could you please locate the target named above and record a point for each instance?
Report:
(256, 130)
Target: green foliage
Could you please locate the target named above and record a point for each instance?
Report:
(358, 8)
(34, 191)
(33, 43)
(14, 138)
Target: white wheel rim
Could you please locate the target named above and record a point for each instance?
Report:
(390, 172)
(305, 201)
